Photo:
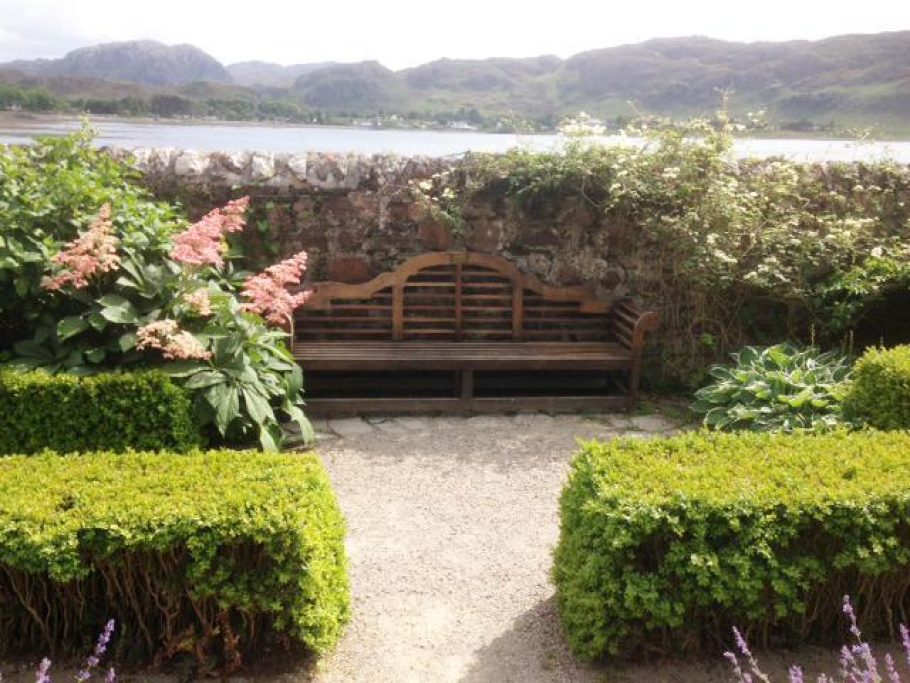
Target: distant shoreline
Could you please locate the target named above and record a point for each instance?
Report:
(66, 118)
(10, 118)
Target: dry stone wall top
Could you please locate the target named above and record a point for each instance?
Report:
(304, 171)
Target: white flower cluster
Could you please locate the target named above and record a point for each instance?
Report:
(581, 126)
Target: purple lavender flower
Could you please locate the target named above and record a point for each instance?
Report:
(753, 664)
(111, 676)
(858, 663)
(95, 658)
(849, 668)
(43, 668)
(741, 643)
(734, 662)
(862, 649)
(893, 676)
(851, 616)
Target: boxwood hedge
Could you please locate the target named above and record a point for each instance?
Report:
(142, 410)
(880, 392)
(212, 554)
(668, 543)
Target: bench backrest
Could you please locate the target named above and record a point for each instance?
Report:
(456, 296)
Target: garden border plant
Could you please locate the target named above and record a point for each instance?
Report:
(96, 276)
(668, 543)
(778, 388)
(880, 393)
(138, 410)
(212, 555)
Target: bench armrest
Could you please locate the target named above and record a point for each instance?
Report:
(633, 325)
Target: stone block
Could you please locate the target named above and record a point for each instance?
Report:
(297, 164)
(347, 238)
(326, 171)
(350, 428)
(279, 219)
(485, 235)
(236, 162)
(191, 164)
(434, 235)
(262, 167)
(350, 269)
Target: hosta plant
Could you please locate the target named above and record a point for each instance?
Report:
(781, 388)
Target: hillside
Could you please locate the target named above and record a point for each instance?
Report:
(269, 75)
(847, 80)
(136, 61)
(364, 86)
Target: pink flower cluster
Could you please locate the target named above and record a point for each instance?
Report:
(268, 293)
(199, 301)
(92, 253)
(174, 343)
(203, 242)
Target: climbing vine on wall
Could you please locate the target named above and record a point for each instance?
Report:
(747, 250)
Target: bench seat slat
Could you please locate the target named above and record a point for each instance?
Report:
(445, 355)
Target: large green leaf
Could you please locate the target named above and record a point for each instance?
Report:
(183, 368)
(71, 326)
(258, 407)
(127, 341)
(269, 440)
(307, 433)
(117, 309)
(205, 378)
(225, 400)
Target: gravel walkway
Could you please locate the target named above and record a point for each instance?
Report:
(452, 523)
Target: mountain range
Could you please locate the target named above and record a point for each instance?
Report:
(851, 78)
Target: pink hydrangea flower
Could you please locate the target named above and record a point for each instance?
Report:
(199, 301)
(174, 343)
(91, 254)
(203, 242)
(268, 293)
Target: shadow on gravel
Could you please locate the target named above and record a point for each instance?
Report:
(533, 650)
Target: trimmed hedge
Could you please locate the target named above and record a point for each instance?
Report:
(64, 413)
(668, 543)
(212, 554)
(880, 393)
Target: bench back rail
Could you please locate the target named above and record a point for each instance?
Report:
(462, 296)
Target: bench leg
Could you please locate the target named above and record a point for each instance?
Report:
(466, 384)
(634, 378)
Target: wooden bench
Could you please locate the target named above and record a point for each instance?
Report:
(467, 313)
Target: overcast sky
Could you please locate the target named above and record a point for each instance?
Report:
(401, 33)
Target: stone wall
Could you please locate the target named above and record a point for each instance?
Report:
(356, 217)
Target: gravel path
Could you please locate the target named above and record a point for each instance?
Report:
(452, 523)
